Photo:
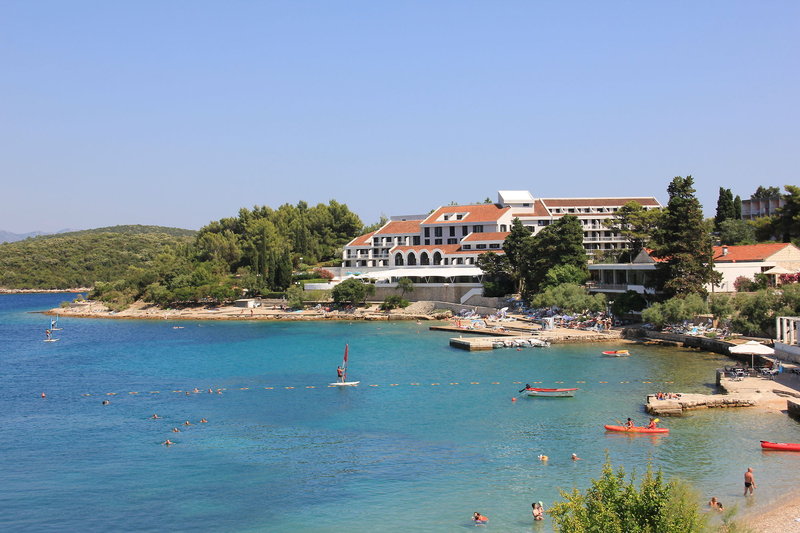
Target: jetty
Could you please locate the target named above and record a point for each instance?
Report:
(488, 339)
(736, 392)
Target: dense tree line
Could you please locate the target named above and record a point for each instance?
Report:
(83, 258)
(254, 253)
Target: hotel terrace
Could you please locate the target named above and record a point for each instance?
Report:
(446, 243)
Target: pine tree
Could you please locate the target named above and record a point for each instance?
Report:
(683, 244)
(560, 243)
(725, 207)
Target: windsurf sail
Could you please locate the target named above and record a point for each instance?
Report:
(344, 362)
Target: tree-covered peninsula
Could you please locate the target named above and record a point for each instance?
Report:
(253, 253)
(83, 258)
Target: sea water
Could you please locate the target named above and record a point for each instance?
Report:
(428, 437)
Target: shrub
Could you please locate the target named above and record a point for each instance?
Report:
(294, 297)
(393, 302)
(743, 284)
(613, 505)
(569, 297)
(324, 274)
(352, 291)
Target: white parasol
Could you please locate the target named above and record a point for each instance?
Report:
(753, 348)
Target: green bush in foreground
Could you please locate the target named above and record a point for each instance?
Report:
(614, 505)
(393, 302)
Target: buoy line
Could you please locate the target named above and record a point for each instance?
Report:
(220, 390)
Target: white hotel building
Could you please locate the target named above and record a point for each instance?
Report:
(447, 242)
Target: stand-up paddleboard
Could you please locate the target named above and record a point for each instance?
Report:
(52, 340)
(344, 382)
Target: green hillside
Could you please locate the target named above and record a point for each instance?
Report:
(81, 258)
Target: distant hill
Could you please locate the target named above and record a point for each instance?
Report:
(81, 258)
(7, 236)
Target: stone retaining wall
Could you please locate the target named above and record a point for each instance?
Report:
(691, 402)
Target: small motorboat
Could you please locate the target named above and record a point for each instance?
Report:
(617, 353)
(780, 446)
(552, 393)
(635, 429)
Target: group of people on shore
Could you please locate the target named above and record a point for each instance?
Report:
(667, 395)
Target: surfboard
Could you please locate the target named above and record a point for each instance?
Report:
(52, 340)
(345, 384)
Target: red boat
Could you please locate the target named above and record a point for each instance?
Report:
(636, 429)
(780, 446)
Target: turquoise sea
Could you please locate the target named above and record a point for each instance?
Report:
(430, 436)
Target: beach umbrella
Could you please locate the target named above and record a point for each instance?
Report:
(752, 348)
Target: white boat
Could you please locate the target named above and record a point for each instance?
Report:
(343, 381)
(553, 393)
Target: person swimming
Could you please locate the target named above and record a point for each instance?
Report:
(203, 421)
(575, 457)
(154, 417)
(479, 519)
(543, 458)
(167, 443)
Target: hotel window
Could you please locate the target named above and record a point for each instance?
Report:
(415, 240)
(427, 241)
(427, 232)
(452, 231)
(477, 229)
(503, 227)
(464, 231)
(437, 241)
(466, 247)
(437, 231)
(480, 246)
(459, 217)
(494, 246)
(452, 241)
(526, 205)
(543, 222)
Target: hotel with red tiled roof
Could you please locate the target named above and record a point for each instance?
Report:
(455, 235)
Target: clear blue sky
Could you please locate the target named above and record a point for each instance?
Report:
(178, 113)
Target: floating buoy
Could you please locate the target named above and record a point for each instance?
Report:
(513, 399)
(44, 395)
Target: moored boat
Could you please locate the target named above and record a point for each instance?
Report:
(553, 393)
(780, 446)
(617, 353)
(635, 429)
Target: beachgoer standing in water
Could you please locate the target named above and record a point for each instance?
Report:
(537, 511)
(749, 481)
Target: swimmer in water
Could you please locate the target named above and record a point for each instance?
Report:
(479, 519)
(187, 423)
(203, 421)
(167, 443)
(575, 457)
(154, 417)
(543, 458)
(106, 402)
(176, 430)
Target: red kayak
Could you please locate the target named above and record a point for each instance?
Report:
(781, 446)
(635, 429)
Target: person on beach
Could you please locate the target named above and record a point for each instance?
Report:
(479, 519)
(714, 504)
(537, 511)
(749, 481)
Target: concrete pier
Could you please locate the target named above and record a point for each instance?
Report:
(691, 402)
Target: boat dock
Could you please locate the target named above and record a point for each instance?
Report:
(489, 339)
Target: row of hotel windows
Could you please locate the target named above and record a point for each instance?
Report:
(437, 231)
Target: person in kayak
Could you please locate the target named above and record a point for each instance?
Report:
(479, 519)
(629, 423)
(652, 424)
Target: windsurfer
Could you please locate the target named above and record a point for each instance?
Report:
(340, 374)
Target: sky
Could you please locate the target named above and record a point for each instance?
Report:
(178, 113)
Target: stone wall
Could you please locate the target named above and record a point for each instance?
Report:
(689, 341)
(793, 408)
(431, 292)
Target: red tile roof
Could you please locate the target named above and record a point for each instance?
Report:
(748, 252)
(400, 227)
(474, 214)
(489, 236)
(598, 202)
(363, 240)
